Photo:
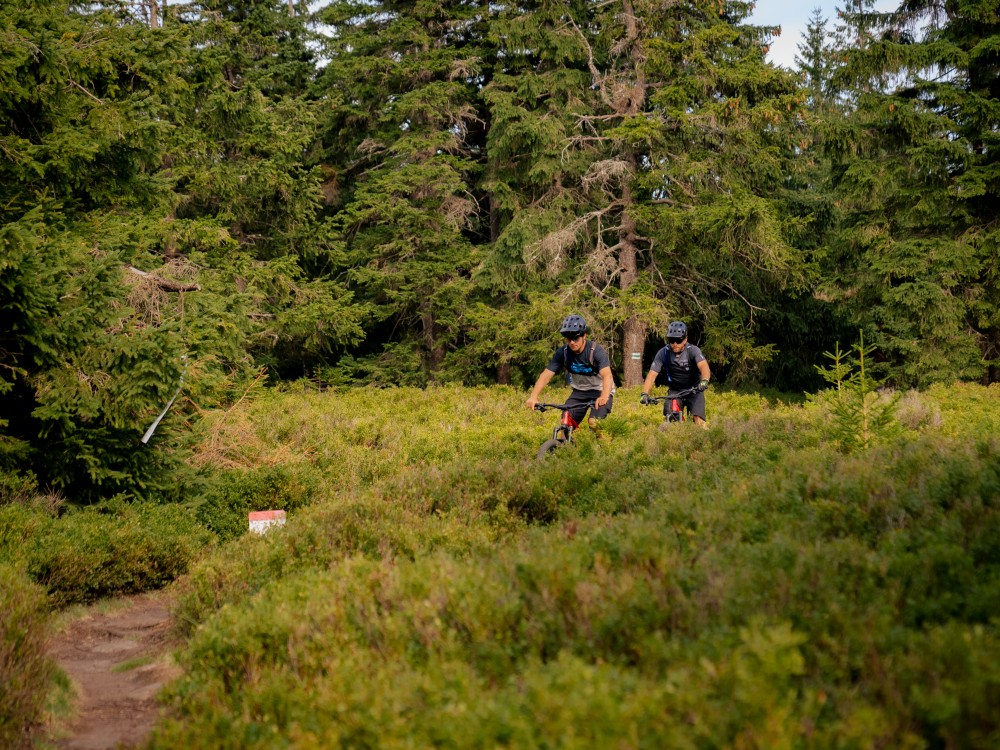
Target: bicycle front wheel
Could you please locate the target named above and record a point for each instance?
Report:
(548, 447)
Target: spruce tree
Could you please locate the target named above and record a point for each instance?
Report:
(84, 113)
(402, 79)
(915, 168)
(815, 60)
(654, 138)
(249, 206)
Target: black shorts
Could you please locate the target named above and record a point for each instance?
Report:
(580, 401)
(694, 403)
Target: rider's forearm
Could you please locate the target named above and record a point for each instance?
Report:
(607, 383)
(543, 380)
(647, 385)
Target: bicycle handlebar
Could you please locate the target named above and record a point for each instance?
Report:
(561, 407)
(677, 394)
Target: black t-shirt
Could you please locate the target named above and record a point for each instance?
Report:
(583, 375)
(682, 369)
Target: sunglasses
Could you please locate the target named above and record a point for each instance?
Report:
(572, 336)
(674, 340)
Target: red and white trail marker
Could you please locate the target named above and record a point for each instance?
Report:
(262, 520)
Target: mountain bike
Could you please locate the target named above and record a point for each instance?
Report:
(562, 434)
(675, 412)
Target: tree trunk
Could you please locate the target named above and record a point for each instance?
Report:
(634, 338)
(154, 14)
(435, 352)
(634, 335)
(503, 373)
(635, 342)
(494, 219)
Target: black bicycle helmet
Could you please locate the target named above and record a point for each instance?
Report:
(677, 330)
(573, 325)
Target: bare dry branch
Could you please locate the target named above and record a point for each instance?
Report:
(370, 146)
(605, 173)
(168, 285)
(88, 93)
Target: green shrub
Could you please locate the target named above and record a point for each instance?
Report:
(17, 487)
(25, 669)
(99, 551)
(235, 494)
(749, 585)
(320, 536)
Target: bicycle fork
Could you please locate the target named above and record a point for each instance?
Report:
(566, 426)
(676, 413)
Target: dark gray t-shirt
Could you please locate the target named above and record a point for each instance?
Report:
(682, 369)
(583, 375)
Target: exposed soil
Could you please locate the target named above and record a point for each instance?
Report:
(117, 661)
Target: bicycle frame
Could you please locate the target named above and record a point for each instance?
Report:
(675, 412)
(566, 426)
(563, 432)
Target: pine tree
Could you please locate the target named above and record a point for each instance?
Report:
(915, 167)
(653, 139)
(398, 145)
(84, 118)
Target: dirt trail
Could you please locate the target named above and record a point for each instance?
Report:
(117, 661)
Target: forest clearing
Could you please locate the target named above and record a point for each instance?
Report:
(748, 585)
(278, 256)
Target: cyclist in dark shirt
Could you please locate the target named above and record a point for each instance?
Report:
(685, 367)
(589, 369)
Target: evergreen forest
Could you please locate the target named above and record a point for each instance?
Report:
(311, 256)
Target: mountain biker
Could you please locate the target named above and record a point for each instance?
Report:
(589, 369)
(686, 367)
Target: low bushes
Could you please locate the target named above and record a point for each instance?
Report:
(25, 670)
(100, 551)
(744, 586)
(235, 493)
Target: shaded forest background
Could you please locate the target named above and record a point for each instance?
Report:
(408, 193)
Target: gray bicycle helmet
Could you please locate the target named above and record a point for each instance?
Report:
(677, 330)
(573, 325)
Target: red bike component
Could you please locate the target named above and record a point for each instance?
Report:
(568, 421)
(675, 402)
(563, 433)
(675, 407)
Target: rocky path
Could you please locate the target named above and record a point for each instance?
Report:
(117, 661)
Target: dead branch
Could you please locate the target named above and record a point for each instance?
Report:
(88, 93)
(168, 285)
(606, 172)
(596, 79)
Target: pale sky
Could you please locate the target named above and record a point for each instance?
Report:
(793, 17)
